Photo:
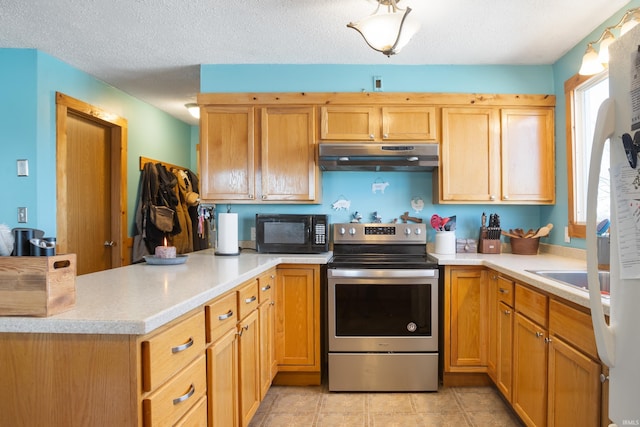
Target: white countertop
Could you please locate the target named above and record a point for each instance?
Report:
(516, 266)
(139, 298)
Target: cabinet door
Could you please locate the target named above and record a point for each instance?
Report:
(227, 157)
(470, 163)
(298, 319)
(409, 123)
(505, 349)
(349, 123)
(222, 383)
(528, 156)
(492, 353)
(248, 367)
(267, 343)
(468, 321)
(267, 283)
(289, 168)
(529, 371)
(574, 387)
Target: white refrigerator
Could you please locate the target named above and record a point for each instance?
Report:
(619, 342)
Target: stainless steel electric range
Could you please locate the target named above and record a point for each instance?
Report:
(382, 308)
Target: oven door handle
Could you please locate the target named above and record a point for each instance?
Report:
(384, 273)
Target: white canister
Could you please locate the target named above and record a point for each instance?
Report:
(446, 242)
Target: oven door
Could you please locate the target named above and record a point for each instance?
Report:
(387, 310)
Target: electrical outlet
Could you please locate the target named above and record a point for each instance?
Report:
(567, 239)
(253, 234)
(377, 84)
(22, 215)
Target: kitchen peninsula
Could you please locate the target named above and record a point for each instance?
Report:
(144, 344)
(102, 362)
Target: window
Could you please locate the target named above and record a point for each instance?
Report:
(583, 95)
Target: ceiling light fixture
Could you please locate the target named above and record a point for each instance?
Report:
(595, 62)
(194, 109)
(388, 29)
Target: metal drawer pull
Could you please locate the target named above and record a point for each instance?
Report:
(507, 312)
(250, 300)
(266, 288)
(539, 334)
(184, 397)
(225, 316)
(182, 347)
(504, 291)
(242, 329)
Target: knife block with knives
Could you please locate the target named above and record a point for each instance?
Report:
(489, 241)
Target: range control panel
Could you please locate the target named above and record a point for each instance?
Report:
(357, 233)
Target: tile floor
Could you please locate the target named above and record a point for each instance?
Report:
(317, 407)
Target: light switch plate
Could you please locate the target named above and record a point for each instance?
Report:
(23, 167)
(22, 215)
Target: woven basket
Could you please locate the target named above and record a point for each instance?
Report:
(524, 246)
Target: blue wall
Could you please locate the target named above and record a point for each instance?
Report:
(29, 80)
(403, 187)
(563, 69)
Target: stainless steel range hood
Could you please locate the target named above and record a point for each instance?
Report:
(410, 156)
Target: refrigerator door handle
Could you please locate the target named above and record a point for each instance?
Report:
(605, 128)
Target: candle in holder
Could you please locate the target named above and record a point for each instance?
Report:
(165, 251)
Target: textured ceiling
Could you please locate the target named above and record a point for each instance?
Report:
(152, 49)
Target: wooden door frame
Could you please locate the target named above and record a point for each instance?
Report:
(118, 126)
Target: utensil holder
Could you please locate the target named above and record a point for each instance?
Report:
(525, 246)
(445, 242)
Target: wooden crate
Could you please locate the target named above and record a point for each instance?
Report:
(37, 286)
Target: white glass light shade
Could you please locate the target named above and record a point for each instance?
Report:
(385, 31)
(607, 39)
(194, 110)
(631, 22)
(590, 63)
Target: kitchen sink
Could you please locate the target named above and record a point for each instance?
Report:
(575, 278)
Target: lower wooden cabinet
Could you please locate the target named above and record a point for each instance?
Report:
(529, 371)
(504, 366)
(298, 324)
(248, 367)
(222, 381)
(541, 356)
(574, 386)
(466, 326)
(166, 405)
(267, 315)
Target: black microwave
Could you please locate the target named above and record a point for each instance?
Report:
(291, 233)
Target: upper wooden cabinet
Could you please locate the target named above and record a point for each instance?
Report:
(288, 155)
(227, 153)
(372, 123)
(528, 155)
(497, 155)
(250, 154)
(470, 156)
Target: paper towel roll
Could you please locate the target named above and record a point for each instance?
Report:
(227, 234)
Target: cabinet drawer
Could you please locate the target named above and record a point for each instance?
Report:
(532, 304)
(505, 291)
(573, 326)
(171, 401)
(222, 315)
(168, 352)
(196, 416)
(266, 283)
(247, 298)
